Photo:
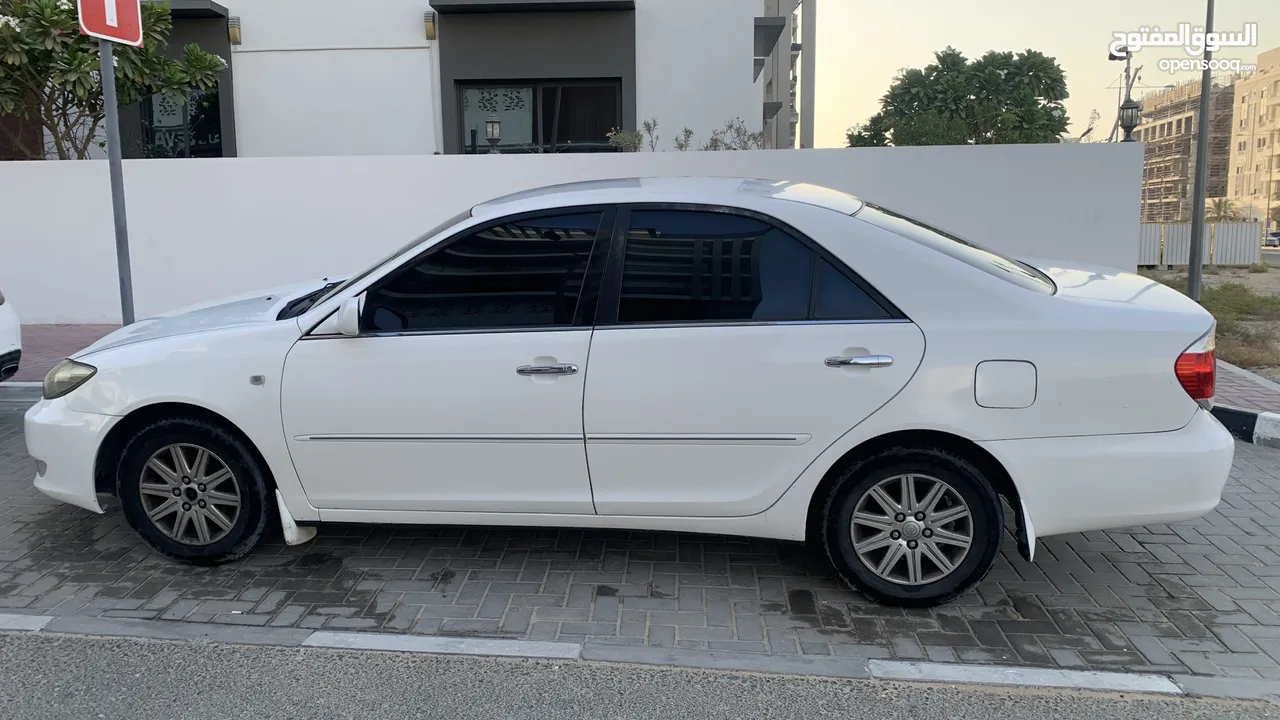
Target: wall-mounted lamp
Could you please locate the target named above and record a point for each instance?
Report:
(429, 24)
(493, 132)
(233, 30)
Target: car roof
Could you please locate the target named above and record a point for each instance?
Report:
(726, 191)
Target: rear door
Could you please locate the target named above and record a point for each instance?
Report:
(729, 352)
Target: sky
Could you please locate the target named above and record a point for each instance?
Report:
(863, 44)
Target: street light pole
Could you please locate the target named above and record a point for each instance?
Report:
(1202, 171)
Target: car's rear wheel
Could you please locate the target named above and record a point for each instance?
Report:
(912, 527)
(193, 491)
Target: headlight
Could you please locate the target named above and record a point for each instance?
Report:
(65, 377)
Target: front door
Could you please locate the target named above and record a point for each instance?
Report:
(738, 354)
(464, 390)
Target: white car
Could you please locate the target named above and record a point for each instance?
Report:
(10, 340)
(742, 357)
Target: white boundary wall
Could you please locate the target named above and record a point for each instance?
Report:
(200, 229)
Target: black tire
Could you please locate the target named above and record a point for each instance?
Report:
(257, 506)
(986, 512)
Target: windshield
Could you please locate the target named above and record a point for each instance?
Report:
(1014, 271)
(399, 251)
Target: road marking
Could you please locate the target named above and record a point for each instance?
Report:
(23, 622)
(1035, 677)
(444, 645)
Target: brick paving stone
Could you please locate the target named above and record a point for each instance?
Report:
(1201, 597)
(43, 346)
(1238, 390)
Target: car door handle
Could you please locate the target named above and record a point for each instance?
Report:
(868, 361)
(562, 369)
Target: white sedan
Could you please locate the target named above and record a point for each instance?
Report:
(742, 357)
(10, 340)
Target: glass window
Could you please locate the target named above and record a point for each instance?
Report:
(705, 267)
(837, 298)
(173, 128)
(525, 273)
(1012, 270)
(579, 118)
(511, 106)
(552, 116)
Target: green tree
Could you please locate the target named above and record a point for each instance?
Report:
(1001, 97)
(49, 72)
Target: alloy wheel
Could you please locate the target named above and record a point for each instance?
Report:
(189, 494)
(911, 529)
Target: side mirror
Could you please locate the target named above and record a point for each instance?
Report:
(349, 317)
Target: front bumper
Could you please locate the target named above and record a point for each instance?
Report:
(64, 444)
(1107, 482)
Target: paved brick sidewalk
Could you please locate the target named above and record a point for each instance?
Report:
(1200, 597)
(1242, 389)
(44, 345)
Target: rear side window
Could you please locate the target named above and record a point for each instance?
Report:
(1018, 273)
(705, 267)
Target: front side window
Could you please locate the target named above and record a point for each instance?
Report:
(707, 267)
(515, 274)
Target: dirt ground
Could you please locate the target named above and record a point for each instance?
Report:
(1251, 343)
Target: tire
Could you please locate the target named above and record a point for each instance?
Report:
(861, 487)
(140, 482)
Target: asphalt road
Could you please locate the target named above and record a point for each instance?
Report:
(1271, 256)
(51, 676)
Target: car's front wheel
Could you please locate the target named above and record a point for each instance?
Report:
(193, 491)
(912, 527)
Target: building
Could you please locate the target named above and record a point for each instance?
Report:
(1253, 183)
(392, 77)
(1169, 129)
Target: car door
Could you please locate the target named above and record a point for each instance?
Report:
(729, 352)
(463, 391)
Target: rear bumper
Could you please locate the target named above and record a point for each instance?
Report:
(64, 443)
(9, 363)
(1107, 482)
(10, 342)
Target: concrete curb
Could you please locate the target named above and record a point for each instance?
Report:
(867, 667)
(1254, 426)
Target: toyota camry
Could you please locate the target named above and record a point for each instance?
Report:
(714, 355)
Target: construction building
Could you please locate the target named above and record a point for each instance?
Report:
(1253, 182)
(1169, 129)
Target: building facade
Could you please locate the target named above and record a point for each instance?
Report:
(1253, 183)
(396, 77)
(1169, 127)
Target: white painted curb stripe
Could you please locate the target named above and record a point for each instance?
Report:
(1038, 677)
(23, 622)
(1266, 428)
(444, 645)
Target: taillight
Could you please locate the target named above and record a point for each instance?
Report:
(1197, 368)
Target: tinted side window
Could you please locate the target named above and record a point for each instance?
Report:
(683, 266)
(837, 298)
(526, 273)
(705, 267)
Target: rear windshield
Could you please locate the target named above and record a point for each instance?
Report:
(1014, 271)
